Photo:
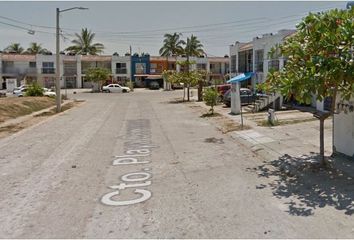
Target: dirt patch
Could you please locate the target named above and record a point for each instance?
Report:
(14, 107)
(214, 140)
(13, 128)
(265, 123)
(222, 123)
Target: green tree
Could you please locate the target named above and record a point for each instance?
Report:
(36, 48)
(211, 97)
(319, 61)
(172, 45)
(194, 48)
(97, 75)
(34, 90)
(83, 44)
(14, 48)
(188, 78)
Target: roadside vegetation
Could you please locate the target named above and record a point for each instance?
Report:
(211, 98)
(11, 108)
(97, 76)
(34, 90)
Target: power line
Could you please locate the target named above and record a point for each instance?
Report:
(141, 32)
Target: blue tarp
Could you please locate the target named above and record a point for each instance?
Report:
(241, 77)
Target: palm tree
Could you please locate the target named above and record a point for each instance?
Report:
(83, 44)
(14, 48)
(36, 48)
(193, 48)
(172, 46)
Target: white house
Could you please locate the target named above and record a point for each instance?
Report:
(121, 68)
(343, 128)
(253, 56)
(19, 67)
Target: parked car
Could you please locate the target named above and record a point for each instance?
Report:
(222, 89)
(177, 86)
(49, 92)
(20, 92)
(154, 85)
(115, 88)
(246, 95)
(19, 89)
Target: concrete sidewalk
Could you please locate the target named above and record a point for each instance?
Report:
(273, 142)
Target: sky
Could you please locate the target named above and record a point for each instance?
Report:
(142, 25)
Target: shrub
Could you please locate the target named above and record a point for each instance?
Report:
(34, 90)
(211, 97)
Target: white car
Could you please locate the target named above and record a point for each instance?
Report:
(115, 88)
(20, 92)
(48, 92)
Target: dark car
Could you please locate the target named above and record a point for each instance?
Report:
(154, 85)
(246, 95)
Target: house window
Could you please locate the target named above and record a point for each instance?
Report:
(201, 66)
(233, 63)
(242, 61)
(259, 60)
(32, 64)
(121, 68)
(273, 64)
(171, 66)
(48, 67)
(140, 68)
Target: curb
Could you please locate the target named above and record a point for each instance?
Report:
(29, 116)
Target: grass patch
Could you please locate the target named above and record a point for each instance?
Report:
(16, 107)
(265, 123)
(215, 114)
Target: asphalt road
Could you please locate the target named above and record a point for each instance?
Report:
(135, 166)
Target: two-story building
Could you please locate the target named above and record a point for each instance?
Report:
(140, 69)
(253, 57)
(121, 69)
(19, 67)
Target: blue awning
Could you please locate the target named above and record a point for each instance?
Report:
(241, 77)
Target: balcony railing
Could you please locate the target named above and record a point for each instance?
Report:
(155, 71)
(31, 70)
(70, 71)
(10, 70)
(215, 71)
(48, 70)
(121, 71)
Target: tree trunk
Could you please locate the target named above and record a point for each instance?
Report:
(188, 79)
(322, 156)
(200, 91)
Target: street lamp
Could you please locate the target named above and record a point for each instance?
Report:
(57, 80)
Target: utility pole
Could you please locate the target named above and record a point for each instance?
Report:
(57, 73)
(57, 79)
(130, 78)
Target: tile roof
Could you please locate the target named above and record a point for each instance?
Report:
(18, 57)
(97, 58)
(246, 46)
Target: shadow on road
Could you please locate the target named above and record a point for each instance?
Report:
(307, 185)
